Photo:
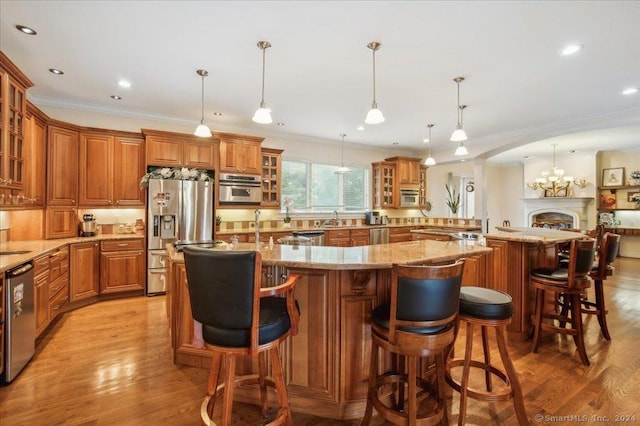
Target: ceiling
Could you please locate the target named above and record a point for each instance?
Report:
(519, 90)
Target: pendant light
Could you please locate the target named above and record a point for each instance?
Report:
(374, 116)
(342, 169)
(459, 134)
(461, 150)
(202, 130)
(430, 161)
(263, 114)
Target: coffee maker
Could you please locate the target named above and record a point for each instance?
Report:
(88, 226)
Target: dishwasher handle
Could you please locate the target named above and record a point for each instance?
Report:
(20, 271)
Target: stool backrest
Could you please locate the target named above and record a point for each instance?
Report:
(607, 252)
(424, 295)
(224, 286)
(581, 256)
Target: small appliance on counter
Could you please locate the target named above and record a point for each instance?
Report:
(372, 218)
(88, 226)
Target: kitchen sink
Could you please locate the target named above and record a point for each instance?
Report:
(11, 252)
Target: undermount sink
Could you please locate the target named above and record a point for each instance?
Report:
(12, 252)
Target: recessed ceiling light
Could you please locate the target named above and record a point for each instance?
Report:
(395, 143)
(116, 97)
(217, 114)
(571, 49)
(26, 30)
(124, 83)
(55, 71)
(526, 157)
(425, 140)
(572, 151)
(360, 128)
(630, 91)
(280, 124)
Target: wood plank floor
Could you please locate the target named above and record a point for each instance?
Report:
(111, 363)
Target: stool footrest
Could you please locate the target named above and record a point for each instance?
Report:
(490, 396)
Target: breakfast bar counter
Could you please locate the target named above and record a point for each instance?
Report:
(326, 365)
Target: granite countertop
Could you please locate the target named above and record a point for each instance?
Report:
(533, 235)
(380, 256)
(337, 228)
(39, 247)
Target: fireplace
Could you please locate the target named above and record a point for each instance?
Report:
(558, 212)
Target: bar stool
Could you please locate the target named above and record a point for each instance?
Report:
(569, 284)
(240, 318)
(419, 321)
(488, 309)
(607, 253)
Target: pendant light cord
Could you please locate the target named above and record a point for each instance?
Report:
(459, 121)
(264, 49)
(374, 75)
(202, 103)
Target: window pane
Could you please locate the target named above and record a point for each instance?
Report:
(324, 188)
(354, 190)
(294, 183)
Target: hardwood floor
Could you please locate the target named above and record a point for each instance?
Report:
(111, 363)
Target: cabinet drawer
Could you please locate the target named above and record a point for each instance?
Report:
(56, 285)
(59, 301)
(121, 245)
(41, 265)
(342, 233)
(359, 233)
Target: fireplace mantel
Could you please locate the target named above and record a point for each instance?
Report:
(573, 206)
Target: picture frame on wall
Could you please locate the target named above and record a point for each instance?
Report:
(613, 176)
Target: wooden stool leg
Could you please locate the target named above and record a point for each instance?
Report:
(227, 404)
(464, 383)
(487, 357)
(516, 389)
(262, 374)
(400, 368)
(537, 320)
(411, 382)
(441, 383)
(602, 312)
(373, 372)
(278, 378)
(214, 374)
(576, 313)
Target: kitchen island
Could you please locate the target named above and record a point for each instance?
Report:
(516, 251)
(326, 364)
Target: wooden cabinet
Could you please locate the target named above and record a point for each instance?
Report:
(62, 166)
(433, 237)
(2, 322)
(36, 161)
(168, 149)
(61, 222)
(384, 192)
(408, 169)
(85, 270)
(13, 105)
(58, 281)
(111, 166)
(422, 187)
(400, 234)
(41, 292)
(271, 168)
(240, 153)
(346, 237)
(264, 237)
(122, 265)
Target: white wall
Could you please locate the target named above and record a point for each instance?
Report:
(437, 177)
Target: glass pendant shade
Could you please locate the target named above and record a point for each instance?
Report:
(458, 135)
(263, 114)
(430, 161)
(202, 130)
(461, 150)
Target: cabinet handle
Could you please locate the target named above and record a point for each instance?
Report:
(123, 245)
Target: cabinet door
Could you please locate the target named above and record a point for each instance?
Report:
(96, 170)
(128, 170)
(200, 154)
(122, 271)
(230, 155)
(164, 151)
(85, 270)
(271, 167)
(251, 157)
(36, 165)
(41, 291)
(12, 149)
(61, 222)
(62, 167)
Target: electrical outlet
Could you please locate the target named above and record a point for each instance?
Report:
(316, 223)
(409, 220)
(252, 224)
(449, 221)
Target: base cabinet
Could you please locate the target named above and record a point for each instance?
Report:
(41, 293)
(58, 287)
(122, 266)
(85, 270)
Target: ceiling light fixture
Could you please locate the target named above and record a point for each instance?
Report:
(342, 169)
(555, 183)
(202, 130)
(116, 97)
(26, 30)
(124, 83)
(630, 91)
(56, 71)
(430, 161)
(571, 49)
(263, 114)
(461, 149)
(374, 116)
(459, 134)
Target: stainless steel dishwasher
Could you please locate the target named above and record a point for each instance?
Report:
(378, 236)
(316, 237)
(20, 320)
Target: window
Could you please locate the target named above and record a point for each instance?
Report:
(317, 188)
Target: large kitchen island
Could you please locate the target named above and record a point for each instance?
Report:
(326, 364)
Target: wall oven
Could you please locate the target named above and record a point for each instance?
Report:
(239, 189)
(409, 197)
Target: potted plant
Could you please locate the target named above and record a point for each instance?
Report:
(453, 199)
(288, 205)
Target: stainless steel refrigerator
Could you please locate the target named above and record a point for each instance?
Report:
(178, 211)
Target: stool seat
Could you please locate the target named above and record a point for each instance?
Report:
(485, 303)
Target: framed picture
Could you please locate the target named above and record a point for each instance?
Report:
(613, 177)
(607, 201)
(630, 195)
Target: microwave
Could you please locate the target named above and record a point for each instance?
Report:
(409, 197)
(239, 189)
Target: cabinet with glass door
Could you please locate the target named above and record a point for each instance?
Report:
(271, 168)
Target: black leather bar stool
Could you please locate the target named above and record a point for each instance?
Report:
(488, 309)
(418, 322)
(240, 318)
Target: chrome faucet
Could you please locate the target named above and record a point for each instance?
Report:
(257, 226)
(334, 221)
(335, 216)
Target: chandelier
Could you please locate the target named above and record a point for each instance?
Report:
(554, 182)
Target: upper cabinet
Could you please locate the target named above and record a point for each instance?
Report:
(422, 186)
(13, 106)
(111, 165)
(62, 166)
(393, 174)
(384, 185)
(240, 153)
(167, 149)
(408, 170)
(271, 169)
(36, 159)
